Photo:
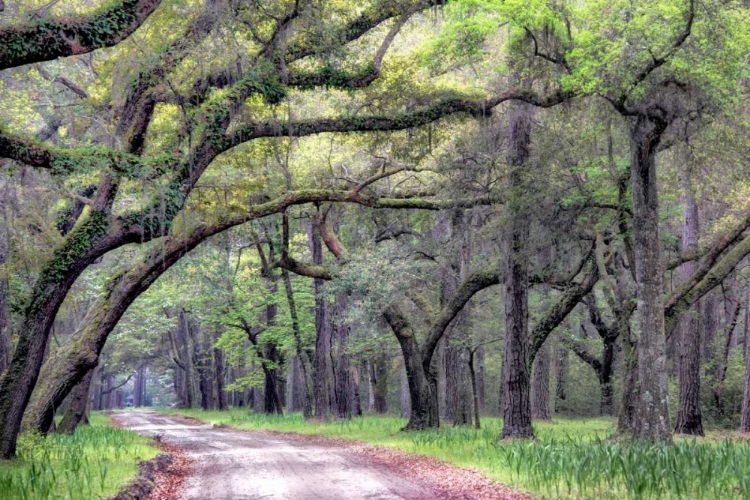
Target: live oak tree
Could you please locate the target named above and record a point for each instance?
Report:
(195, 135)
(216, 126)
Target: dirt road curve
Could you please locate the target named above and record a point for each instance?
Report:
(237, 465)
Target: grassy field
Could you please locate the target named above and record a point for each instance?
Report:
(93, 463)
(570, 459)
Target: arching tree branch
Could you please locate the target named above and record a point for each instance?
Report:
(50, 38)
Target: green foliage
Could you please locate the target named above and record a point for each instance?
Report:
(95, 462)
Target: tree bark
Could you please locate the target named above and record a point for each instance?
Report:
(540, 393)
(5, 342)
(220, 377)
(607, 405)
(423, 412)
(404, 394)
(344, 390)
(81, 247)
(295, 386)
(272, 400)
(745, 417)
(302, 358)
(322, 365)
(76, 413)
(52, 38)
(689, 411)
(516, 379)
(652, 405)
(381, 369)
(626, 418)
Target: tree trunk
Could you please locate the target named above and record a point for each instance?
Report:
(202, 362)
(458, 382)
(343, 387)
(652, 405)
(404, 395)
(607, 405)
(540, 394)
(371, 379)
(474, 391)
(80, 248)
(139, 389)
(422, 385)
(516, 380)
(220, 374)
(689, 410)
(745, 417)
(76, 413)
(302, 357)
(272, 400)
(480, 381)
(354, 396)
(5, 343)
(730, 327)
(322, 364)
(295, 386)
(562, 361)
(381, 369)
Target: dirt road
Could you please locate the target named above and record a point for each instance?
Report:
(237, 465)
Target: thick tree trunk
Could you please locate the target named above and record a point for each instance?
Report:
(422, 386)
(689, 410)
(653, 404)
(540, 393)
(272, 393)
(76, 413)
(344, 391)
(273, 390)
(745, 417)
(458, 399)
(81, 247)
(516, 380)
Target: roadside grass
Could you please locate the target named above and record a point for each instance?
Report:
(93, 463)
(571, 458)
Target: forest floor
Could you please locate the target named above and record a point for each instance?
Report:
(95, 462)
(227, 463)
(579, 458)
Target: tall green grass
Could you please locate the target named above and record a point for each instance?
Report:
(569, 459)
(95, 462)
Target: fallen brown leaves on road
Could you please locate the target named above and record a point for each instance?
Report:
(451, 482)
(168, 483)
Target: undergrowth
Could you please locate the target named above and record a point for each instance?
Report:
(95, 462)
(571, 458)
